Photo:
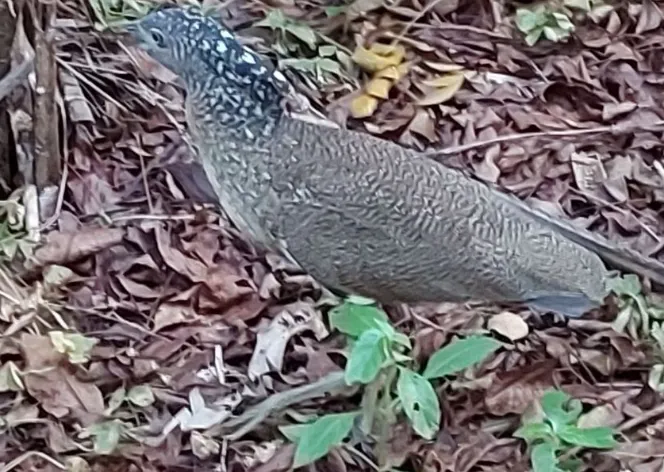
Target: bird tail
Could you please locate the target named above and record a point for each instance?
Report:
(615, 255)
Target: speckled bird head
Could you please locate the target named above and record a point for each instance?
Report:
(190, 43)
(217, 69)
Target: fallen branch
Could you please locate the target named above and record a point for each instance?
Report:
(255, 415)
(615, 129)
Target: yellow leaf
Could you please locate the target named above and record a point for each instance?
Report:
(363, 106)
(394, 73)
(379, 88)
(371, 60)
(388, 50)
(443, 93)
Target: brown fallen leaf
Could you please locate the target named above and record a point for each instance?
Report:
(62, 248)
(176, 260)
(169, 314)
(488, 170)
(515, 391)
(602, 415)
(271, 341)
(509, 324)
(442, 89)
(650, 17)
(39, 352)
(60, 393)
(589, 173)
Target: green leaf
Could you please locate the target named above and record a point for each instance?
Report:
(543, 458)
(534, 431)
(626, 285)
(106, 436)
(327, 50)
(460, 354)
(10, 378)
(329, 65)
(354, 319)
(334, 10)
(294, 432)
(366, 357)
(141, 395)
(402, 340)
(301, 64)
(316, 439)
(76, 346)
(420, 402)
(360, 300)
(560, 409)
(533, 36)
(117, 397)
(526, 20)
(275, 19)
(599, 437)
(563, 21)
(570, 464)
(304, 33)
(553, 33)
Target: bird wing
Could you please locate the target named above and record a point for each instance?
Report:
(365, 215)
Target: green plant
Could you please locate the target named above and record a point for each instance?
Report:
(553, 433)
(553, 19)
(13, 236)
(379, 359)
(329, 58)
(642, 318)
(543, 20)
(118, 12)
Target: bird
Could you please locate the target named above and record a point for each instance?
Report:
(360, 214)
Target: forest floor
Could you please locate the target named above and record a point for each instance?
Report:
(139, 321)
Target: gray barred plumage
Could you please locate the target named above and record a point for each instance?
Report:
(360, 214)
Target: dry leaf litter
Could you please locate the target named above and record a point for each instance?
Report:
(181, 324)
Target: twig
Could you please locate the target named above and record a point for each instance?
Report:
(615, 207)
(412, 22)
(45, 123)
(11, 465)
(351, 450)
(146, 186)
(87, 82)
(457, 27)
(539, 134)
(117, 219)
(251, 418)
(645, 416)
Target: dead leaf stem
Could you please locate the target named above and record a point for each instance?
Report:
(614, 129)
(13, 464)
(251, 418)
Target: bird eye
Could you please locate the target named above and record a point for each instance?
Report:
(158, 38)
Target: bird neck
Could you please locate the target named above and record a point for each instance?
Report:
(249, 111)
